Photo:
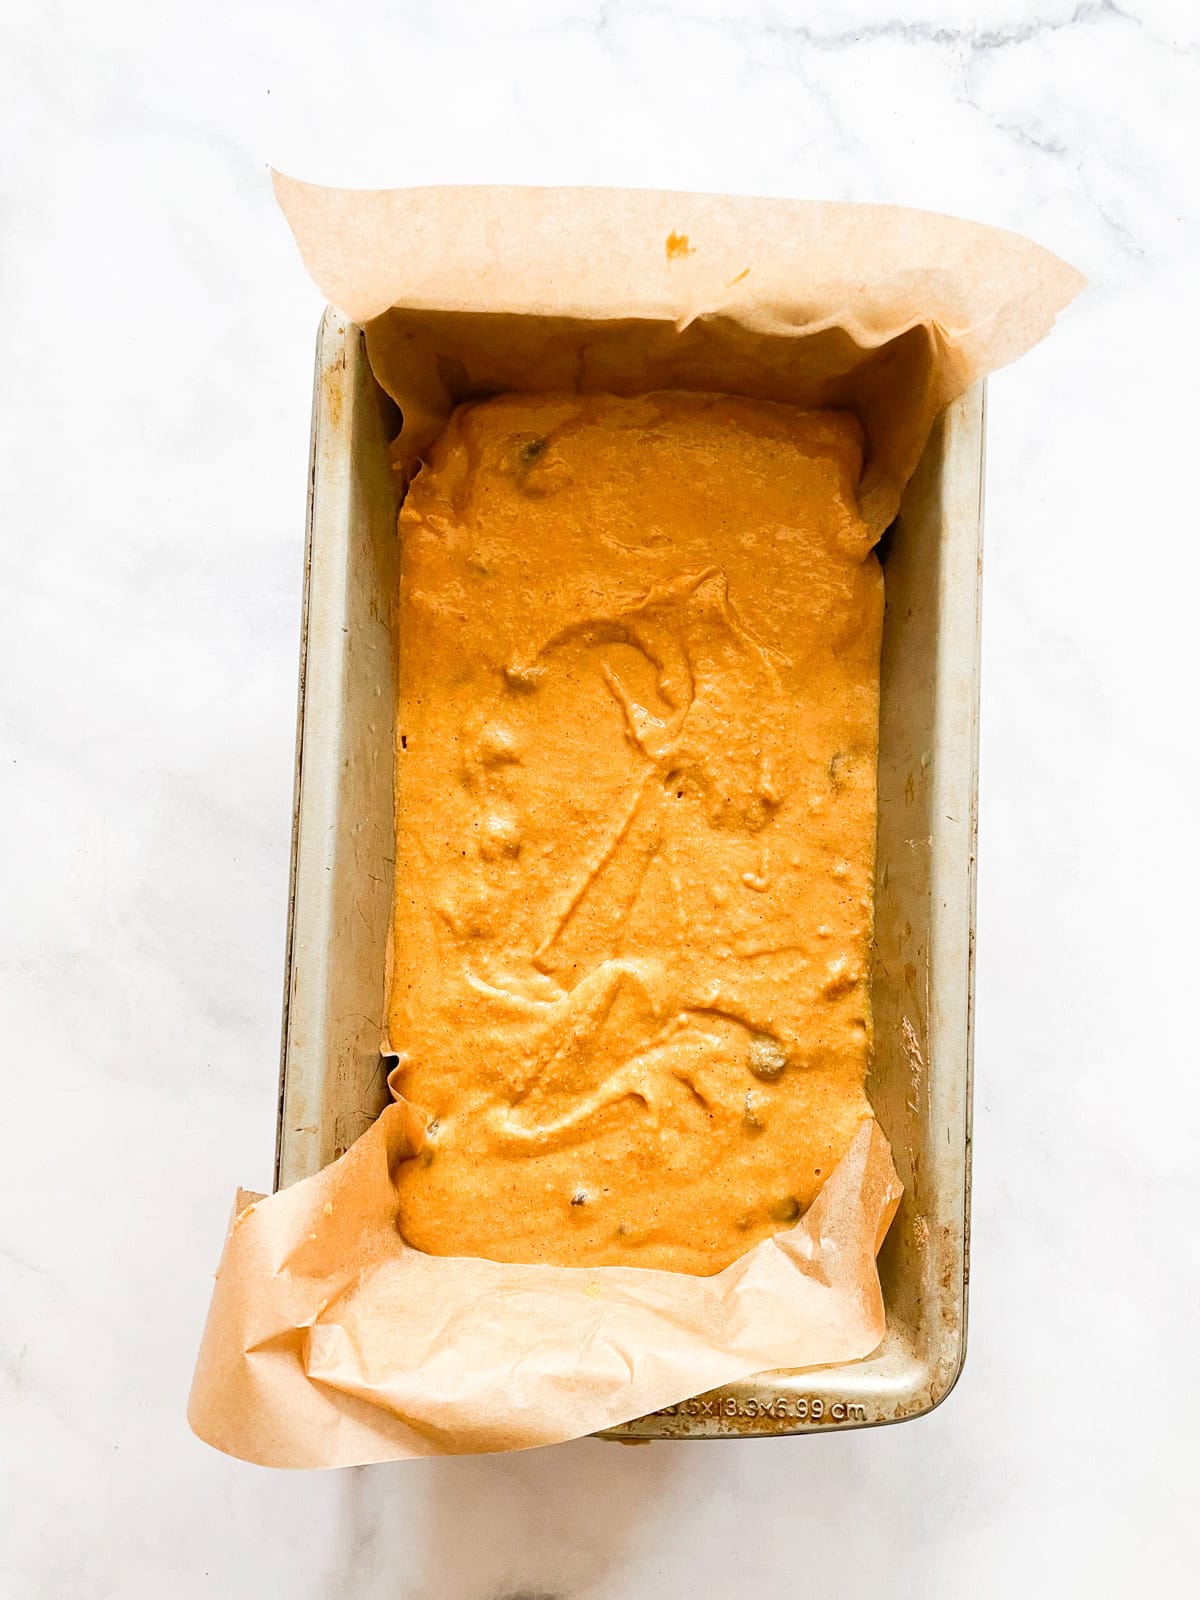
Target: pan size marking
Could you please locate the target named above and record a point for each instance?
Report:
(800, 1408)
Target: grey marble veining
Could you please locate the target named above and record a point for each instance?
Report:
(158, 345)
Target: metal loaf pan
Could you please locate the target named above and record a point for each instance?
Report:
(332, 1082)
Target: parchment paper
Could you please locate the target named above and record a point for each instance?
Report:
(329, 1341)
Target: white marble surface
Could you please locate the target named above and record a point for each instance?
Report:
(158, 338)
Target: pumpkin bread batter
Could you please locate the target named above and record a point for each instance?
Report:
(637, 727)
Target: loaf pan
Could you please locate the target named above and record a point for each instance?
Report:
(333, 1078)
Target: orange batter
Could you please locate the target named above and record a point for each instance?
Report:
(638, 711)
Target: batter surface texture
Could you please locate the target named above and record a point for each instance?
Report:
(636, 740)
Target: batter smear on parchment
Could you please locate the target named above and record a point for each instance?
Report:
(636, 739)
